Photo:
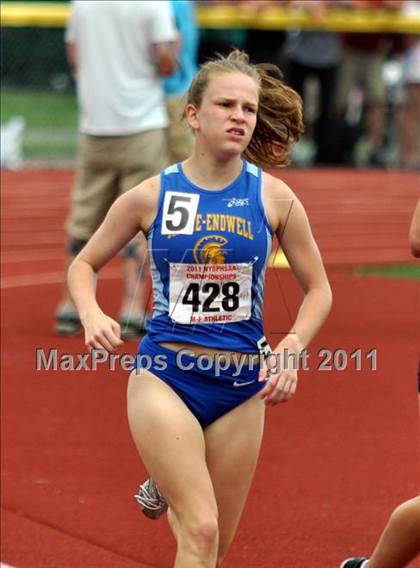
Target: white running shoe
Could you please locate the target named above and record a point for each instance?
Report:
(150, 500)
(355, 562)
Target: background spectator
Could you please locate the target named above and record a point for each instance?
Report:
(179, 136)
(315, 54)
(117, 51)
(410, 131)
(362, 62)
(264, 46)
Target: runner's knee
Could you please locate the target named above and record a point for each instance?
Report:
(200, 531)
(407, 514)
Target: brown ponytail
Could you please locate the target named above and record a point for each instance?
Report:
(279, 118)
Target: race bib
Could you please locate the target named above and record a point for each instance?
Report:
(209, 293)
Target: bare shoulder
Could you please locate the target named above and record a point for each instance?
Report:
(279, 200)
(146, 193)
(277, 188)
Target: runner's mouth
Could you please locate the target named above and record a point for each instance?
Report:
(236, 131)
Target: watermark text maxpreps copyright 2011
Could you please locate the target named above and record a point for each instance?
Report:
(323, 360)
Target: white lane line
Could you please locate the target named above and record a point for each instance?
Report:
(29, 192)
(24, 280)
(10, 231)
(33, 238)
(34, 207)
(5, 565)
(31, 256)
(55, 214)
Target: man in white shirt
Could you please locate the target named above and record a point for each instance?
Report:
(118, 50)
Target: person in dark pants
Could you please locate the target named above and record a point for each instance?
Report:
(315, 54)
(299, 72)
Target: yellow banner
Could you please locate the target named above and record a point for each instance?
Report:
(228, 16)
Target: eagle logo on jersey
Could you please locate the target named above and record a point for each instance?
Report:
(209, 250)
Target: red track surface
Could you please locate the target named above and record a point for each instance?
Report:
(336, 460)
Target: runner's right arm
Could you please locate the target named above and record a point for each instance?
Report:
(132, 212)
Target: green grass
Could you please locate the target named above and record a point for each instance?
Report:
(49, 151)
(40, 109)
(51, 122)
(395, 271)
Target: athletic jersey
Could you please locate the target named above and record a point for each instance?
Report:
(208, 251)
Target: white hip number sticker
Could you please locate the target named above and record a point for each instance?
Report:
(179, 211)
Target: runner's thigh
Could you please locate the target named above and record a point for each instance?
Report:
(171, 443)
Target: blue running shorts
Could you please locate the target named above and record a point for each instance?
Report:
(208, 393)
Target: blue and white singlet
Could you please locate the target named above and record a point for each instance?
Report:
(208, 251)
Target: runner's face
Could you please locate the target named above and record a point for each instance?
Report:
(226, 119)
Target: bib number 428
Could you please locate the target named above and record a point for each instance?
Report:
(200, 293)
(204, 296)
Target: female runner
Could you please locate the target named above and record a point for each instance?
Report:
(197, 398)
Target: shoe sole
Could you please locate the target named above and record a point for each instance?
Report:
(343, 564)
(154, 515)
(67, 331)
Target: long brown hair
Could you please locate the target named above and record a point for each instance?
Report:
(279, 117)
